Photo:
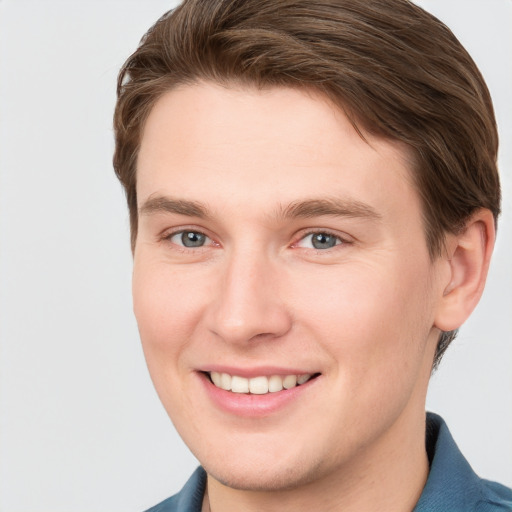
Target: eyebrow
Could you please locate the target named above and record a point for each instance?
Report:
(335, 207)
(308, 208)
(160, 204)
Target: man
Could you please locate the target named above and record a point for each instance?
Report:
(313, 198)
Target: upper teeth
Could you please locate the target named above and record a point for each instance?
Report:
(257, 385)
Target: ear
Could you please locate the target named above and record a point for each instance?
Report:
(468, 257)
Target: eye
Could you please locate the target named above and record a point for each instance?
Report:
(189, 239)
(319, 241)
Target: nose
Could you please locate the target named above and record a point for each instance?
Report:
(247, 304)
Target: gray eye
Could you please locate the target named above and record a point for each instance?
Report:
(192, 239)
(323, 240)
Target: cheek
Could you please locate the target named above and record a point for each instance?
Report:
(166, 309)
(167, 306)
(370, 317)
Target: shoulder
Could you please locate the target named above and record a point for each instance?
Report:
(452, 484)
(495, 497)
(189, 499)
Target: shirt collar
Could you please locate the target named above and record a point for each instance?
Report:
(451, 483)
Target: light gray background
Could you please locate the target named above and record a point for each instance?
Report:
(81, 428)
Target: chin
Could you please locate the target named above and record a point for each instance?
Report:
(258, 476)
(254, 481)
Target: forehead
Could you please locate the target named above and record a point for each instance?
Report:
(253, 147)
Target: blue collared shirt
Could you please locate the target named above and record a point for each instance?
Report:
(452, 486)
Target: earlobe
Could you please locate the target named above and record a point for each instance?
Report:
(468, 258)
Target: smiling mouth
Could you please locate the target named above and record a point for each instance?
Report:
(258, 385)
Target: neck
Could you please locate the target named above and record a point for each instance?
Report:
(388, 476)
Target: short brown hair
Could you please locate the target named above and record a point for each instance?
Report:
(395, 70)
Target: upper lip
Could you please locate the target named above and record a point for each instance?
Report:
(257, 371)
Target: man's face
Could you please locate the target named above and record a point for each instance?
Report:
(274, 242)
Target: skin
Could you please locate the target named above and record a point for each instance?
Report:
(365, 313)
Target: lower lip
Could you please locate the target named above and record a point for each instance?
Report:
(249, 405)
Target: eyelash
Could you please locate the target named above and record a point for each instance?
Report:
(340, 241)
(167, 237)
